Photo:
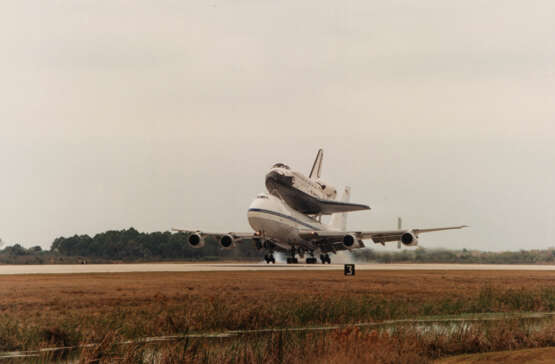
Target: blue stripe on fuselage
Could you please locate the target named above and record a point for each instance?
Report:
(285, 216)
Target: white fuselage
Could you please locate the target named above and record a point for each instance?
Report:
(274, 220)
(313, 187)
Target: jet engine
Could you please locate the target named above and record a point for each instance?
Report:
(196, 240)
(349, 241)
(227, 242)
(266, 244)
(409, 239)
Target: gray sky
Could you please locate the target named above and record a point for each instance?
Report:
(156, 114)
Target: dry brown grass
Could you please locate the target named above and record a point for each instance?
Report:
(527, 356)
(38, 310)
(24, 294)
(347, 345)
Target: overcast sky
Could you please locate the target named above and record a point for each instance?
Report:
(156, 114)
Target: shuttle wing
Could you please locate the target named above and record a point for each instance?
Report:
(331, 207)
(307, 204)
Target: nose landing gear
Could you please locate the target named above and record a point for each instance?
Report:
(325, 258)
(269, 258)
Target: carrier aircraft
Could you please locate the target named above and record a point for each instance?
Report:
(288, 219)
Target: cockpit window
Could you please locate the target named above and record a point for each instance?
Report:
(262, 196)
(280, 165)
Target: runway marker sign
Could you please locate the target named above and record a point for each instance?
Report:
(349, 269)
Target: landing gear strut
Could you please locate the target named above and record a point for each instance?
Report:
(325, 258)
(291, 258)
(311, 259)
(269, 258)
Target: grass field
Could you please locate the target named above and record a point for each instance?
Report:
(65, 310)
(531, 356)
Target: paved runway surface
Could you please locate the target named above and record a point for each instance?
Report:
(219, 267)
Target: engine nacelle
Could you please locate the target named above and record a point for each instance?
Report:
(349, 241)
(409, 239)
(227, 242)
(196, 240)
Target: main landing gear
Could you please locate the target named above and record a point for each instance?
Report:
(311, 260)
(291, 258)
(324, 258)
(269, 258)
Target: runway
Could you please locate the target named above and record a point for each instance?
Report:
(223, 267)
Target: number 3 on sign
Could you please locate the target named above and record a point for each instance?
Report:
(349, 269)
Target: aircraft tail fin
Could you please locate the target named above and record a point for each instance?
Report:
(317, 166)
(339, 219)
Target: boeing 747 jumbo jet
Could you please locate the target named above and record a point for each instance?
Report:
(288, 219)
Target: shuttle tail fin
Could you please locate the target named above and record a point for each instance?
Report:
(317, 166)
(339, 219)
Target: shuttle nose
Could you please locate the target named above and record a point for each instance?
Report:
(277, 178)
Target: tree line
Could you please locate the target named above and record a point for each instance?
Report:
(132, 245)
(128, 245)
(421, 255)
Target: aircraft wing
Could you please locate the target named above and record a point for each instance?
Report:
(311, 205)
(235, 235)
(332, 207)
(378, 237)
(228, 240)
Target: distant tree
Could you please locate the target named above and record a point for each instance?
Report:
(16, 250)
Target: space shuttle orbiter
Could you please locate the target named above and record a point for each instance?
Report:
(308, 195)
